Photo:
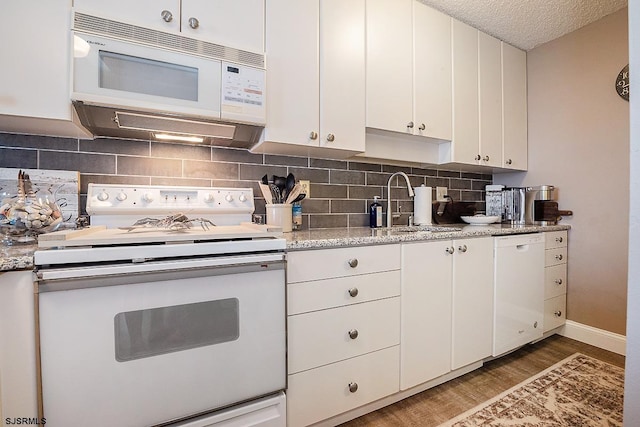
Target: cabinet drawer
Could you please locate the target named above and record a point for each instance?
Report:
(555, 312)
(555, 239)
(340, 262)
(555, 256)
(555, 280)
(327, 336)
(324, 392)
(329, 293)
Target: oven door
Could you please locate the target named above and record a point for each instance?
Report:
(146, 344)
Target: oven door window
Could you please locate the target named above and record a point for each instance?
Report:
(150, 332)
(140, 75)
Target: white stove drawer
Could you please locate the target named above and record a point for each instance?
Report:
(330, 390)
(327, 336)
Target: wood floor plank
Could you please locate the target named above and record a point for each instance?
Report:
(441, 403)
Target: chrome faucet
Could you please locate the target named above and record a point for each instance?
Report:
(406, 178)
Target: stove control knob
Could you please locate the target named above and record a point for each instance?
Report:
(229, 198)
(209, 198)
(148, 197)
(242, 198)
(122, 196)
(103, 196)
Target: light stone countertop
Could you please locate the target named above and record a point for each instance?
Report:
(360, 236)
(18, 257)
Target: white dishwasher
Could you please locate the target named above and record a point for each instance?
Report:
(518, 291)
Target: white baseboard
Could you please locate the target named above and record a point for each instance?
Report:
(597, 337)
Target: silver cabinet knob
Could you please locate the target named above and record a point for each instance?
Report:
(353, 262)
(166, 16)
(535, 325)
(410, 125)
(353, 387)
(558, 313)
(194, 23)
(331, 137)
(313, 135)
(462, 248)
(450, 250)
(559, 257)
(478, 157)
(422, 126)
(558, 281)
(353, 334)
(486, 158)
(559, 239)
(509, 161)
(353, 292)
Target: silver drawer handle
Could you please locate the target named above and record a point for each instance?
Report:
(410, 125)
(166, 16)
(353, 262)
(559, 257)
(353, 292)
(478, 157)
(331, 137)
(558, 281)
(422, 126)
(486, 158)
(353, 387)
(313, 135)
(558, 313)
(462, 248)
(450, 250)
(559, 239)
(353, 334)
(194, 23)
(509, 161)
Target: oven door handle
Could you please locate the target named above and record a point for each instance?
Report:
(254, 262)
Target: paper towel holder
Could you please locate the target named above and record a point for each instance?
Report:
(422, 205)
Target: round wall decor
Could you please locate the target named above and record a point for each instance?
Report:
(622, 83)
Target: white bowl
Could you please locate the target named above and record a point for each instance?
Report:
(480, 219)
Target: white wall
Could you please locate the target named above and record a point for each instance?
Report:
(632, 369)
(579, 142)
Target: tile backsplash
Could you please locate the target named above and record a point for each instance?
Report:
(341, 191)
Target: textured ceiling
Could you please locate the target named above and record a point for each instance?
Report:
(527, 23)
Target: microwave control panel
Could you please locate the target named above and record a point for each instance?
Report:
(243, 93)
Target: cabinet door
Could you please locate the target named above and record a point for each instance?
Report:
(145, 13)
(472, 325)
(293, 81)
(234, 23)
(465, 93)
(425, 321)
(514, 89)
(389, 65)
(342, 74)
(490, 99)
(431, 72)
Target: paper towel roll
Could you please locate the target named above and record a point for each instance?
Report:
(422, 206)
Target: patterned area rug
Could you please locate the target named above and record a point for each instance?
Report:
(578, 391)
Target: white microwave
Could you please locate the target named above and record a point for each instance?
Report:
(111, 72)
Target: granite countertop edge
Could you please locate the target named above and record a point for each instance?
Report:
(22, 259)
(363, 236)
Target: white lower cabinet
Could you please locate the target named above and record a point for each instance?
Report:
(343, 315)
(447, 307)
(555, 280)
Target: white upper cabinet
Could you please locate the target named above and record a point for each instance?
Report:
(408, 68)
(316, 83)
(233, 23)
(466, 117)
(389, 65)
(431, 72)
(490, 100)
(514, 92)
(34, 94)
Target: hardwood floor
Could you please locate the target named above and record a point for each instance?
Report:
(441, 403)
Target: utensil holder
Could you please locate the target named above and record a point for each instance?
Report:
(280, 215)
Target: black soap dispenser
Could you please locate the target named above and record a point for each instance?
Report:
(375, 213)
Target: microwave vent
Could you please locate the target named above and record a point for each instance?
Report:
(106, 27)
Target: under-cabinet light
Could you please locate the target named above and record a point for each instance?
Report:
(181, 138)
